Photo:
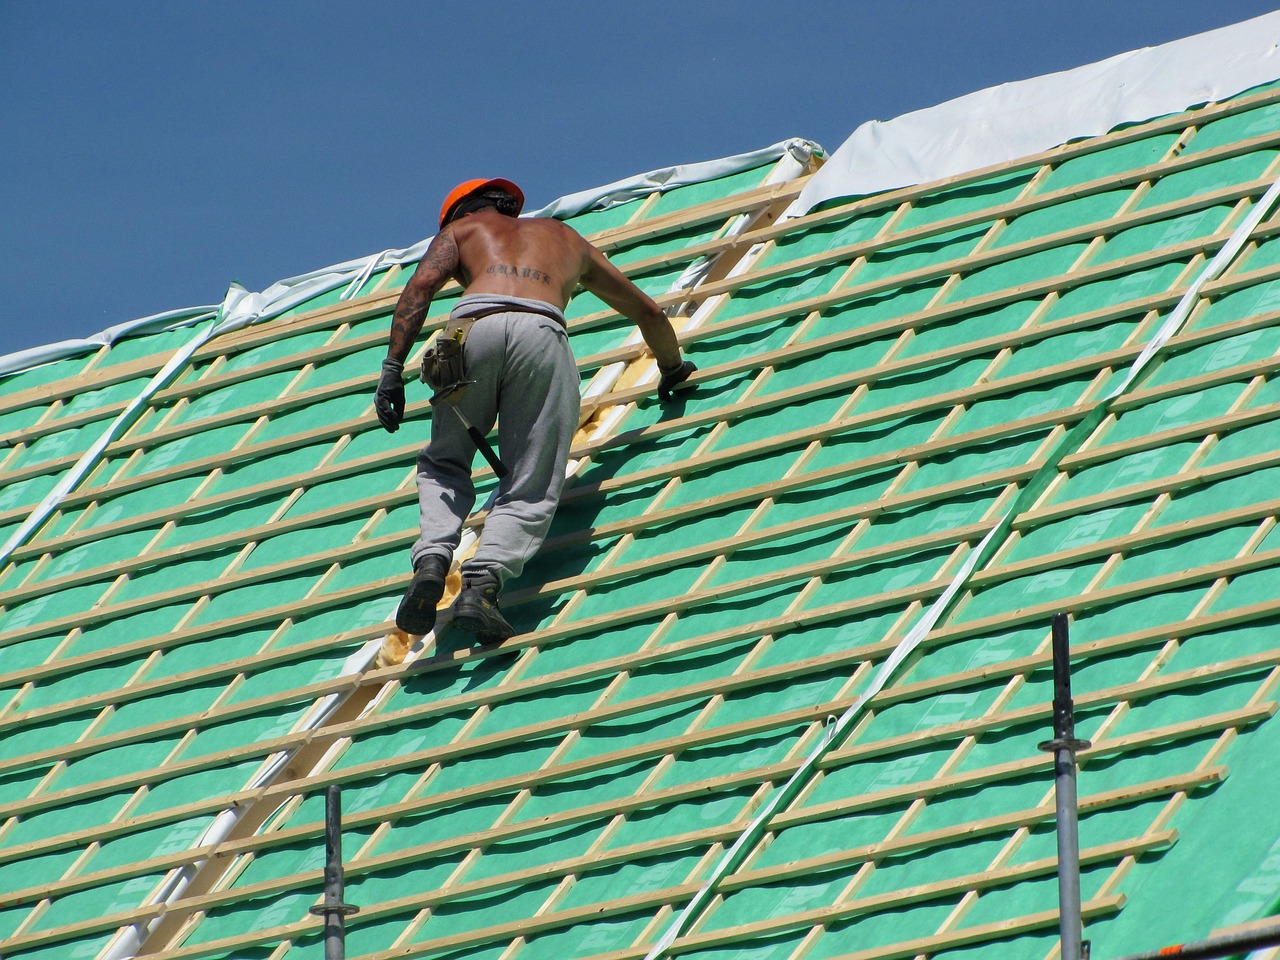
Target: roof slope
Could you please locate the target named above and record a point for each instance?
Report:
(932, 402)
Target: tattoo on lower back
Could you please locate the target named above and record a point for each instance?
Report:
(524, 273)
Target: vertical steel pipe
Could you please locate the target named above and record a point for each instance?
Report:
(1063, 746)
(334, 909)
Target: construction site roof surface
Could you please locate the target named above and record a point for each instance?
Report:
(783, 663)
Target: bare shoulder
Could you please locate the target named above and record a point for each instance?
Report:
(553, 227)
(560, 236)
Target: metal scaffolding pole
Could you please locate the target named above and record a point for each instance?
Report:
(1064, 746)
(334, 909)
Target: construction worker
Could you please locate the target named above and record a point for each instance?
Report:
(517, 276)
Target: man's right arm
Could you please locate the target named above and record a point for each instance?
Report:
(609, 284)
(437, 265)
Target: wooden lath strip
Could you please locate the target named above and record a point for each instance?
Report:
(1157, 634)
(1013, 769)
(1232, 468)
(1123, 543)
(966, 831)
(1096, 908)
(406, 761)
(1140, 490)
(1141, 689)
(324, 473)
(1192, 430)
(726, 208)
(597, 668)
(922, 893)
(947, 311)
(1109, 595)
(93, 376)
(1063, 416)
(759, 405)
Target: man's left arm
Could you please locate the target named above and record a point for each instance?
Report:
(609, 284)
(437, 265)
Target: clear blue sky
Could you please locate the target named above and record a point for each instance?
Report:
(154, 152)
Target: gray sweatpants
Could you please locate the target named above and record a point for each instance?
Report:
(525, 379)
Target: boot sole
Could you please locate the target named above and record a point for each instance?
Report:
(417, 612)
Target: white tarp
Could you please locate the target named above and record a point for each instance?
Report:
(668, 178)
(1015, 120)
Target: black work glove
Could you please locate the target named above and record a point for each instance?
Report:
(671, 378)
(388, 402)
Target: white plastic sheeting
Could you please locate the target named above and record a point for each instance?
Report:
(668, 178)
(1015, 120)
(160, 322)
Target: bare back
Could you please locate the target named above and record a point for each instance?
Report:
(535, 258)
(538, 258)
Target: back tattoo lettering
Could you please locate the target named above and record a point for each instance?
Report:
(524, 273)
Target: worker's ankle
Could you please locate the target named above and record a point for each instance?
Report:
(431, 565)
(484, 580)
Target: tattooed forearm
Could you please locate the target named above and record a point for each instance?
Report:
(406, 323)
(436, 266)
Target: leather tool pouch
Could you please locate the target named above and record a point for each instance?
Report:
(444, 367)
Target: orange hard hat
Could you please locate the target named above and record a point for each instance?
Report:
(463, 190)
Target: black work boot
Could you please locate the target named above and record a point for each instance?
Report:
(476, 610)
(417, 613)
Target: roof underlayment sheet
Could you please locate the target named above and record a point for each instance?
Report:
(1069, 358)
(1002, 123)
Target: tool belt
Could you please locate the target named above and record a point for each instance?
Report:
(444, 363)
